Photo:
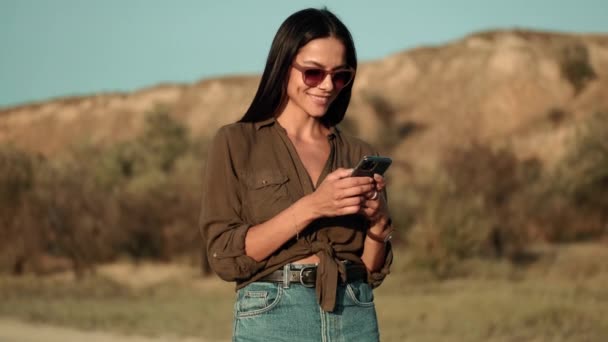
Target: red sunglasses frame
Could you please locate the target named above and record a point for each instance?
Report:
(304, 69)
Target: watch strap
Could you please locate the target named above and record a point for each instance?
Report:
(384, 238)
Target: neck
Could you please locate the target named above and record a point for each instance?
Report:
(302, 126)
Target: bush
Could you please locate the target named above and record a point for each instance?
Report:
(16, 182)
(586, 168)
(78, 212)
(139, 199)
(575, 66)
(577, 205)
(16, 179)
(474, 209)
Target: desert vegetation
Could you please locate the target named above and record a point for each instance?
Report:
(136, 200)
(504, 213)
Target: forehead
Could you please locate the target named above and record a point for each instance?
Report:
(329, 52)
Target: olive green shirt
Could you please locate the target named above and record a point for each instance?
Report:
(253, 172)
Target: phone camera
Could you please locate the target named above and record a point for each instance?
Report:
(368, 165)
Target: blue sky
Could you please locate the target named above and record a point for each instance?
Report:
(51, 48)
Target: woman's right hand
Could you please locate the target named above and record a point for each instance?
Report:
(340, 194)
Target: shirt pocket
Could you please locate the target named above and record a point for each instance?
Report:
(266, 194)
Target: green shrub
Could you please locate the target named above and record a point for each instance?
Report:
(163, 141)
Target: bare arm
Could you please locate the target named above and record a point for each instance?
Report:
(374, 252)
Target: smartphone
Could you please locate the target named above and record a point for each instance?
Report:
(370, 165)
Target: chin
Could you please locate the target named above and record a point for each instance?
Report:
(317, 111)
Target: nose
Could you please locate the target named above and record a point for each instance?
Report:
(328, 83)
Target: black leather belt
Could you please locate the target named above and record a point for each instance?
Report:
(307, 275)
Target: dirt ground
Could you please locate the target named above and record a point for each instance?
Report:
(17, 331)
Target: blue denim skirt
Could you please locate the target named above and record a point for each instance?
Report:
(266, 311)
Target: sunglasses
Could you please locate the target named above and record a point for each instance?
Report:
(313, 76)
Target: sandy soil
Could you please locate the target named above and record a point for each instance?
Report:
(17, 331)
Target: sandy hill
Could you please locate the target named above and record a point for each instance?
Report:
(522, 89)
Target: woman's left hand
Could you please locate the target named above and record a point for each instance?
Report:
(374, 207)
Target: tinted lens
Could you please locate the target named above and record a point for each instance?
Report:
(342, 78)
(314, 77)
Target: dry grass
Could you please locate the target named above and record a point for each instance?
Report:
(182, 306)
(559, 297)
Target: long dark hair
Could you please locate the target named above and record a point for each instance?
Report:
(295, 32)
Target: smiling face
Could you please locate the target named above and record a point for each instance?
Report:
(324, 53)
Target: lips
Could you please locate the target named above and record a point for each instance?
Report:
(319, 100)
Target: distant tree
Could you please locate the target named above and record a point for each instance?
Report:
(576, 67)
(16, 181)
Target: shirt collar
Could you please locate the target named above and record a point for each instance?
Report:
(264, 123)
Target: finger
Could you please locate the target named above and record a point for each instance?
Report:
(353, 182)
(368, 212)
(349, 210)
(339, 173)
(380, 184)
(372, 204)
(350, 201)
(360, 190)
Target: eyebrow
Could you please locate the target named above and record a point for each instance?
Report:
(323, 66)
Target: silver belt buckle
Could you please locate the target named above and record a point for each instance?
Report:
(302, 273)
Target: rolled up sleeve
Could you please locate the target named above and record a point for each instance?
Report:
(374, 279)
(221, 224)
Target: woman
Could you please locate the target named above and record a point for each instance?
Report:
(282, 217)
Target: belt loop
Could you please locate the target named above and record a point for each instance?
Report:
(286, 276)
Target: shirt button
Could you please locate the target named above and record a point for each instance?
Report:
(264, 182)
(215, 255)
